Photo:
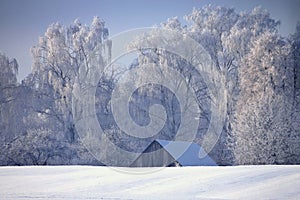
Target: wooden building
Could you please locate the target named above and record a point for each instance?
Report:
(163, 153)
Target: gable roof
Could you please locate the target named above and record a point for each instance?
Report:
(187, 153)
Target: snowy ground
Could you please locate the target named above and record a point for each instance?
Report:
(84, 182)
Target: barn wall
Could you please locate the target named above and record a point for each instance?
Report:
(154, 156)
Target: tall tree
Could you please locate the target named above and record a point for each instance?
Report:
(263, 120)
(295, 57)
(8, 95)
(236, 46)
(58, 57)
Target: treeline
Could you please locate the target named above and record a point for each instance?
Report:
(261, 79)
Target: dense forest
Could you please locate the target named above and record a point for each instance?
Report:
(260, 77)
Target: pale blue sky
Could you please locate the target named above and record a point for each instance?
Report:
(23, 21)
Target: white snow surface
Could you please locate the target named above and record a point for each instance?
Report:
(87, 182)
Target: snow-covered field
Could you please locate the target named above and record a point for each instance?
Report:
(85, 182)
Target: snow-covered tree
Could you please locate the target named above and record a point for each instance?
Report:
(263, 118)
(229, 37)
(168, 62)
(8, 85)
(58, 57)
(295, 57)
(8, 78)
(45, 125)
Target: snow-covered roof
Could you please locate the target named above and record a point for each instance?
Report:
(187, 153)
